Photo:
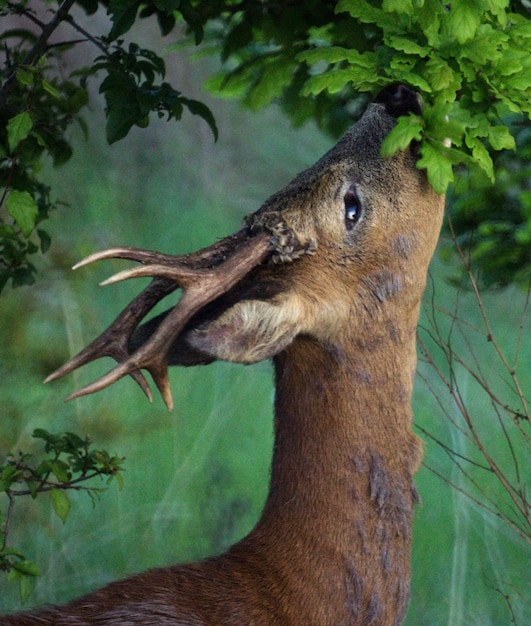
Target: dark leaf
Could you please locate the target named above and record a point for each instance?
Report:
(123, 15)
(201, 109)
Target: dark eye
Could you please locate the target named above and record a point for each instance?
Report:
(352, 209)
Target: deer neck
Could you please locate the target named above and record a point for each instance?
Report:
(341, 497)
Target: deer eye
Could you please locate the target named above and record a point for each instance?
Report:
(353, 209)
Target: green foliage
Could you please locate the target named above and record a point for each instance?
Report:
(492, 222)
(469, 60)
(38, 105)
(130, 92)
(69, 461)
(43, 109)
(260, 49)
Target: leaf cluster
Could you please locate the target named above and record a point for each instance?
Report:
(33, 123)
(260, 45)
(67, 464)
(38, 105)
(469, 59)
(491, 223)
(131, 93)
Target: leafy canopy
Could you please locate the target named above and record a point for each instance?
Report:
(469, 59)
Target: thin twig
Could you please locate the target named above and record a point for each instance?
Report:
(488, 326)
(46, 486)
(84, 32)
(515, 527)
(521, 327)
(26, 13)
(450, 450)
(9, 515)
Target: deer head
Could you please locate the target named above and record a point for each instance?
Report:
(316, 259)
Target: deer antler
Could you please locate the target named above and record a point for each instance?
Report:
(202, 276)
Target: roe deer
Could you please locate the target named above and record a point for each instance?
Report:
(326, 278)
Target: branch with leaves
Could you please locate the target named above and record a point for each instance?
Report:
(38, 106)
(68, 465)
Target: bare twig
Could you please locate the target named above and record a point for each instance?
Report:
(9, 516)
(488, 326)
(449, 351)
(86, 34)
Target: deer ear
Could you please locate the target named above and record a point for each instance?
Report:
(250, 331)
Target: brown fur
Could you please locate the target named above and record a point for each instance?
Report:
(332, 547)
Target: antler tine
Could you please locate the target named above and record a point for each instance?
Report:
(126, 252)
(114, 340)
(185, 277)
(200, 286)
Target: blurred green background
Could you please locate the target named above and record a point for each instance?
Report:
(196, 478)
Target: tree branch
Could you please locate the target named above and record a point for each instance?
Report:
(40, 46)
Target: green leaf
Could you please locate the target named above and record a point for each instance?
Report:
(520, 82)
(123, 16)
(486, 47)
(45, 240)
(439, 168)
(335, 80)
(9, 475)
(28, 568)
(24, 77)
(23, 209)
(440, 75)
(199, 108)
(120, 119)
(483, 158)
(367, 13)
(398, 6)
(429, 17)
(59, 469)
(336, 54)
(61, 503)
(193, 18)
(167, 5)
(5, 275)
(275, 77)
(49, 88)
(407, 129)
(464, 19)
(11, 552)
(26, 585)
(18, 128)
(408, 46)
(411, 78)
(500, 138)
(40, 433)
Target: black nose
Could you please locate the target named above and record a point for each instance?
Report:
(399, 100)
